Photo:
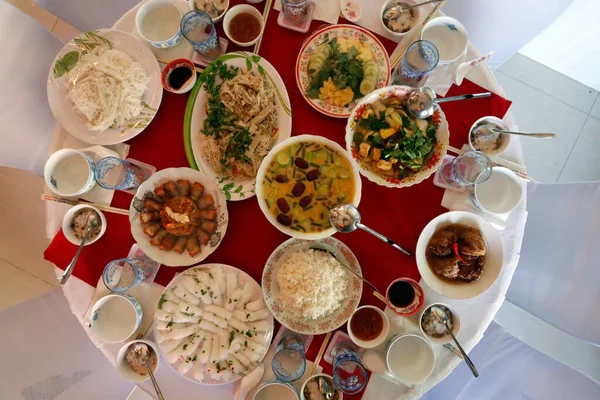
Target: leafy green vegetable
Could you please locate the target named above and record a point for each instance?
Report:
(357, 138)
(161, 302)
(374, 124)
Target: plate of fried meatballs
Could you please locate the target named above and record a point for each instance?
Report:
(459, 254)
(178, 216)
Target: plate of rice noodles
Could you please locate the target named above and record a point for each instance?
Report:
(104, 87)
(238, 110)
(307, 288)
(338, 65)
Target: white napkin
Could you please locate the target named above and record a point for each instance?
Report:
(326, 10)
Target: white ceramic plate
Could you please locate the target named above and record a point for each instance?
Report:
(257, 293)
(324, 324)
(195, 114)
(435, 159)
(171, 258)
(326, 34)
(61, 105)
(492, 264)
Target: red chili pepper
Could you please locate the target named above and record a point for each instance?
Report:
(455, 248)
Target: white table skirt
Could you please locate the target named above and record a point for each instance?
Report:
(476, 314)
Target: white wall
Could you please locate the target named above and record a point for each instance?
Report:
(571, 45)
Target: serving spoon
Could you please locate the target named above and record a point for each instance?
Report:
(395, 11)
(345, 218)
(488, 130)
(421, 101)
(93, 222)
(441, 315)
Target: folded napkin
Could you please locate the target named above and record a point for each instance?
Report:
(326, 10)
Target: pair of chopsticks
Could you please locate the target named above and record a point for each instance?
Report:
(72, 202)
(398, 57)
(265, 17)
(504, 163)
(320, 353)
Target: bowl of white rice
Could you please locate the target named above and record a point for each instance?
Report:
(307, 288)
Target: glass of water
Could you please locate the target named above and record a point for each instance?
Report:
(468, 169)
(419, 60)
(289, 361)
(116, 174)
(198, 28)
(349, 374)
(126, 273)
(295, 11)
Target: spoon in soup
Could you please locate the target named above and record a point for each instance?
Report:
(421, 101)
(345, 218)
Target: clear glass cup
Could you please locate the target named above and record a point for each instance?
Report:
(116, 174)
(295, 11)
(420, 59)
(470, 168)
(126, 273)
(198, 28)
(289, 361)
(349, 374)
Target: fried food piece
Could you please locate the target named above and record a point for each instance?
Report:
(471, 271)
(209, 226)
(148, 216)
(203, 237)
(160, 235)
(441, 242)
(160, 192)
(192, 245)
(447, 267)
(206, 202)
(152, 205)
(151, 228)
(171, 188)
(197, 190)
(168, 242)
(471, 243)
(208, 214)
(180, 244)
(184, 187)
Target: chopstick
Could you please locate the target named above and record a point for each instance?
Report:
(265, 17)
(165, 61)
(72, 202)
(396, 61)
(505, 164)
(320, 354)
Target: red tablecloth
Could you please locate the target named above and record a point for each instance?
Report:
(400, 214)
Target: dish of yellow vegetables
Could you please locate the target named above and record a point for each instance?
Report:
(391, 147)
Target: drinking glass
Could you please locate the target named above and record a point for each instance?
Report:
(126, 273)
(468, 169)
(116, 174)
(295, 11)
(419, 60)
(349, 374)
(198, 28)
(289, 361)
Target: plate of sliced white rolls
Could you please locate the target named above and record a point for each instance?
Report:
(212, 325)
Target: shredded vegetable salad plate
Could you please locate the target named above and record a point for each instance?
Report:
(238, 110)
(104, 87)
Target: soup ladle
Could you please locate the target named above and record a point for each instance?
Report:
(421, 101)
(345, 218)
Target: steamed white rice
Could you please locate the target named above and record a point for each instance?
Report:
(312, 284)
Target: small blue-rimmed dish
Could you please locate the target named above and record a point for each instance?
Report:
(116, 317)
(69, 172)
(157, 22)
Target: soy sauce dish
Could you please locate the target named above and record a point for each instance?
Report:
(179, 76)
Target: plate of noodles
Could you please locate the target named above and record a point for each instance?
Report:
(238, 110)
(104, 87)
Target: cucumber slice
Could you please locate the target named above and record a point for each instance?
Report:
(344, 173)
(284, 158)
(332, 173)
(323, 190)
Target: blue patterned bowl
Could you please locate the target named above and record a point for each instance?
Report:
(116, 317)
(157, 22)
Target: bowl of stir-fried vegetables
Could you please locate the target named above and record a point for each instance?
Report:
(391, 147)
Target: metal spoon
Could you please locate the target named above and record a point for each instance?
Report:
(326, 389)
(421, 101)
(154, 383)
(441, 315)
(345, 218)
(93, 222)
(487, 130)
(394, 11)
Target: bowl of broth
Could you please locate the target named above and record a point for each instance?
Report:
(368, 327)
(300, 180)
(243, 25)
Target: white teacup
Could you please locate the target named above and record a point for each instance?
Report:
(116, 317)
(158, 23)
(69, 172)
(500, 194)
(449, 36)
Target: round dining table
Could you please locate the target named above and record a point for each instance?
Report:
(398, 213)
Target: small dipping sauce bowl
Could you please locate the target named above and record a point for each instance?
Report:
(179, 76)
(368, 327)
(405, 297)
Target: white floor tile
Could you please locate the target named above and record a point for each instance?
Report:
(42, 16)
(17, 285)
(596, 109)
(536, 111)
(583, 163)
(551, 82)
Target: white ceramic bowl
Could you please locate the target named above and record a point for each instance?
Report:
(500, 194)
(409, 358)
(124, 368)
(379, 339)
(116, 317)
(416, 13)
(317, 376)
(68, 218)
(69, 172)
(242, 8)
(192, 4)
(275, 389)
(263, 169)
(449, 36)
(157, 27)
(495, 121)
(178, 63)
(492, 263)
(455, 325)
